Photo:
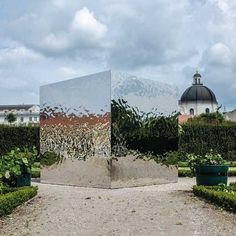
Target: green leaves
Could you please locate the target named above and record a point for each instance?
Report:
(25, 161)
(14, 197)
(210, 158)
(198, 138)
(16, 163)
(143, 132)
(21, 137)
(221, 195)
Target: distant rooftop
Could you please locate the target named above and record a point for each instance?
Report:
(16, 107)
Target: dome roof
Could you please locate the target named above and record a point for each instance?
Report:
(198, 92)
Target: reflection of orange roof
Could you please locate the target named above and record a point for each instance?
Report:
(183, 118)
(91, 120)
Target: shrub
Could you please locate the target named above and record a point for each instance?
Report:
(232, 184)
(185, 173)
(211, 158)
(143, 132)
(49, 158)
(210, 118)
(16, 163)
(182, 164)
(35, 172)
(172, 157)
(11, 200)
(199, 138)
(219, 195)
(18, 137)
(232, 172)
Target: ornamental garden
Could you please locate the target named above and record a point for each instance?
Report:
(110, 138)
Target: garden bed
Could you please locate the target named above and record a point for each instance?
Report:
(13, 197)
(220, 195)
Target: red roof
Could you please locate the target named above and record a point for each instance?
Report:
(183, 118)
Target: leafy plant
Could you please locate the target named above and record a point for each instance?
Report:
(49, 158)
(150, 134)
(211, 158)
(16, 163)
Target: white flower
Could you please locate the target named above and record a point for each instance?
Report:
(7, 174)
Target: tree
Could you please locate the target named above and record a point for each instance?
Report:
(11, 117)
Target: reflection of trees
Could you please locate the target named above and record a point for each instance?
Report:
(144, 132)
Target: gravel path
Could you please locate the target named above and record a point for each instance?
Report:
(168, 210)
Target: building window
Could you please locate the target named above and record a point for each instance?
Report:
(191, 111)
(22, 119)
(35, 118)
(207, 110)
(30, 118)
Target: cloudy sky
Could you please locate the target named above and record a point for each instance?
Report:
(45, 41)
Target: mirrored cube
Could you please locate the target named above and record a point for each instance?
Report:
(100, 131)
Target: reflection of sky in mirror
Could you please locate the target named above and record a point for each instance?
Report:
(145, 94)
(80, 96)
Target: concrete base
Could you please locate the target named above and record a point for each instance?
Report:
(104, 173)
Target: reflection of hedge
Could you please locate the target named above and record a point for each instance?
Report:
(199, 139)
(18, 137)
(144, 132)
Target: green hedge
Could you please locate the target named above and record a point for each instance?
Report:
(224, 197)
(12, 137)
(35, 172)
(184, 172)
(185, 163)
(9, 201)
(199, 138)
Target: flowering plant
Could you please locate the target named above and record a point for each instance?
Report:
(210, 158)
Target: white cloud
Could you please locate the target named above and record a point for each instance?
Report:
(218, 54)
(56, 43)
(159, 39)
(87, 25)
(83, 31)
(18, 54)
(58, 3)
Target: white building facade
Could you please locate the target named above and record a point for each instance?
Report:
(25, 114)
(231, 115)
(197, 99)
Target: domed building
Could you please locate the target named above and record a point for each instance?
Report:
(197, 99)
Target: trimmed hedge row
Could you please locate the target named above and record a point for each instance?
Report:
(12, 137)
(188, 172)
(224, 197)
(35, 172)
(185, 173)
(9, 201)
(185, 164)
(199, 138)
